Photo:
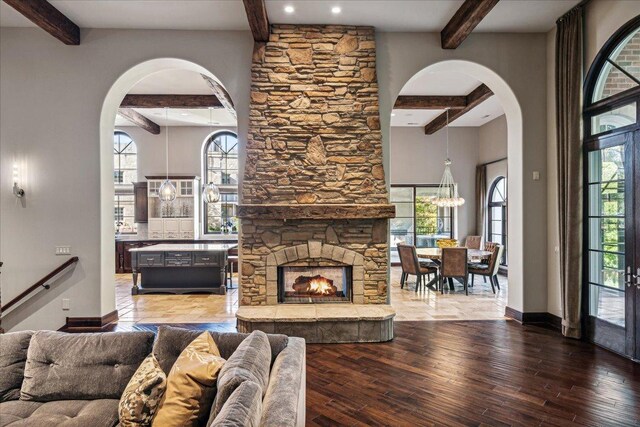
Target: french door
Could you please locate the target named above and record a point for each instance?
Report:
(612, 232)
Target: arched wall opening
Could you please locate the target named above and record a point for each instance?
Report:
(108, 114)
(514, 118)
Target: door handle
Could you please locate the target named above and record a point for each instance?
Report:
(628, 276)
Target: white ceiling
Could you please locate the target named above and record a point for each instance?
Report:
(386, 15)
(178, 82)
(452, 83)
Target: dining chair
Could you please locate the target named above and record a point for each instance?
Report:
(411, 265)
(454, 265)
(489, 246)
(232, 261)
(472, 242)
(489, 270)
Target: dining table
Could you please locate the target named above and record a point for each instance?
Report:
(434, 254)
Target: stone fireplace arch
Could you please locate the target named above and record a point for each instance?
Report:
(317, 251)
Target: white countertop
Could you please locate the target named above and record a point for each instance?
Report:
(186, 247)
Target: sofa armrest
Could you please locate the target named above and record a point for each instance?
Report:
(284, 403)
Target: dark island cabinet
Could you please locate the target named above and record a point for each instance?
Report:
(123, 256)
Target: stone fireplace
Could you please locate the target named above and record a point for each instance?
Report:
(314, 197)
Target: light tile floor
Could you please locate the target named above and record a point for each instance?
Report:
(481, 304)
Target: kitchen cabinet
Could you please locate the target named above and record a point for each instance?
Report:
(141, 206)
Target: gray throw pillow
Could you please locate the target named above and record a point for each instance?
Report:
(13, 355)
(63, 366)
(242, 409)
(171, 341)
(250, 362)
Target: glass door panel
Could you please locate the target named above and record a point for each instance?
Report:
(610, 254)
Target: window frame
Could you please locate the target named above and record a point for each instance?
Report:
(224, 205)
(414, 188)
(503, 221)
(121, 188)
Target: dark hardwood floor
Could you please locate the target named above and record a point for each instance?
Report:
(467, 373)
(496, 373)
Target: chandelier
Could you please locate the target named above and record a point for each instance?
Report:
(167, 190)
(447, 195)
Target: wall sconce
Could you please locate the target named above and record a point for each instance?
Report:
(17, 191)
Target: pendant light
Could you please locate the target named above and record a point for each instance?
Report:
(210, 192)
(167, 191)
(447, 195)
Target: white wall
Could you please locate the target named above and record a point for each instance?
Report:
(417, 158)
(185, 149)
(492, 143)
(602, 19)
(50, 112)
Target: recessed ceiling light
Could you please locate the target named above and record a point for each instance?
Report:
(485, 116)
(336, 9)
(412, 124)
(393, 114)
(408, 114)
(184, 114)
(289, 9)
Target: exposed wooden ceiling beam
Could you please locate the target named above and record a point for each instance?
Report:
(139, 120)
(50, 19)
(222, 95)
(170, 101)
(464, 21)
(435, 102)
(475, 98)
(258, 19)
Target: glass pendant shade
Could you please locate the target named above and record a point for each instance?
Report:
(167, 191)
(447, 195)
(211, 193)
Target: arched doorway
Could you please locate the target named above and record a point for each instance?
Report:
(107, 188)
(612, 194)
(513, 162)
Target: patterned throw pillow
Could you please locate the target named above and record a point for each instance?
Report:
(142, 396)
(191, 385)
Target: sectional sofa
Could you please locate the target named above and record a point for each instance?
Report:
(54, 378)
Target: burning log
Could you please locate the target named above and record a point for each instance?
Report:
(314, 285)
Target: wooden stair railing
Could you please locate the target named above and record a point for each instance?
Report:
(40, 283)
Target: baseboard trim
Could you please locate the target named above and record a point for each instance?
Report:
(90, 323)
(535, 318)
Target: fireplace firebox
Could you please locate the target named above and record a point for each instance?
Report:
(314, 285)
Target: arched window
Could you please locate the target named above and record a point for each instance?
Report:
(125, 173)
(497, 207)
(612, 87)
(221, 167)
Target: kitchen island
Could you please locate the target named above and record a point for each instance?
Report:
(180, 268)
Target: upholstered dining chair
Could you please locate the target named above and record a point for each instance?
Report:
(472, 242)
(411, 265)
(489, 246)
(489, 270)
(454, 265)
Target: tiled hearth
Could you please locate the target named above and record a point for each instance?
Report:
(314, 192)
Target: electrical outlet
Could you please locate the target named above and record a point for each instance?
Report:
(63, 250)
(536, 176)
(66, 304)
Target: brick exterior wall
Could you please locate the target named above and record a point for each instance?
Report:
(629, 60)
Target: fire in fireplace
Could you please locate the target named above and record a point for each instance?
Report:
(300, 285)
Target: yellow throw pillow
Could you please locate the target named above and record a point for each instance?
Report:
(142, 395)
(191, 385)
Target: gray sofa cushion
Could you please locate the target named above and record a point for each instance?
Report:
(250, 362)
(65, 413)
(171, 341)
(13, 355)
(82, 366)
(242, 409)
(285, 397)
